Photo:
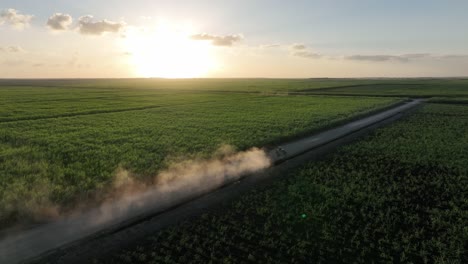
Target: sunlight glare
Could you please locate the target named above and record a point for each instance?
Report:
(168, 52)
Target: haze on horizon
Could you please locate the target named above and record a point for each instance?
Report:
(265, 38)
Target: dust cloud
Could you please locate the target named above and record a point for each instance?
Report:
(180, 181)
(129, 198)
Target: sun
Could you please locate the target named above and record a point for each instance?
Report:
(168, 52)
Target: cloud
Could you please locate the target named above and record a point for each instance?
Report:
(300, 50)
(454, 56)
(403, 58)
(87, 26)
(12, 49)
(216, 40)
(306, 54)
(377, 58)
(416, 55)
(13, 18)
(298, 47)
(59, 22)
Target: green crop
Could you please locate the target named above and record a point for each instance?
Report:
(61, 145)
(377, 87)
(402, 87)
(397, 196)
(220, 85)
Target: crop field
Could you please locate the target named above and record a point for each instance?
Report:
(408, 88)
(219, 85)
(449, 100)
(233, 132)
(61, 145)
(387, 87)
(397, 196)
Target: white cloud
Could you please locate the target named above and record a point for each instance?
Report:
(454, 56)
(13, 18)
(377, 58)
(59, 22)
(300, 50)
(298, 47)
(87, 26)
(416, 55)
(404, 57)
(216, 40)
(306, 54)
(12, 49)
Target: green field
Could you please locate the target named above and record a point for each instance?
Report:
(407, 88)
(398, 196)
(60, 145)
(219, 85)
(379, 87)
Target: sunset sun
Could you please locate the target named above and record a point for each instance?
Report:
(168, 52)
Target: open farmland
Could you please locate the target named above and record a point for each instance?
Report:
(233, 132)
(397, 196)
(61, 145)
(388, 87)
(256, 85)
(400, 87)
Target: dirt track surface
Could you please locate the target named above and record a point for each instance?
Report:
(300, 146)
(81, 238)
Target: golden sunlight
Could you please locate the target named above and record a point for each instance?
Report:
(168, 52)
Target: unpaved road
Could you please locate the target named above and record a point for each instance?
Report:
(80, 238)
(298, 147)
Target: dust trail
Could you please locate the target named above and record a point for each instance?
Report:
(130, 198)
(181, 181)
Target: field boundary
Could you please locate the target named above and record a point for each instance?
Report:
(358, 85)
(96, 112)
(448, 102)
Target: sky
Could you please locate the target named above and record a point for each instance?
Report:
(241, 38)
